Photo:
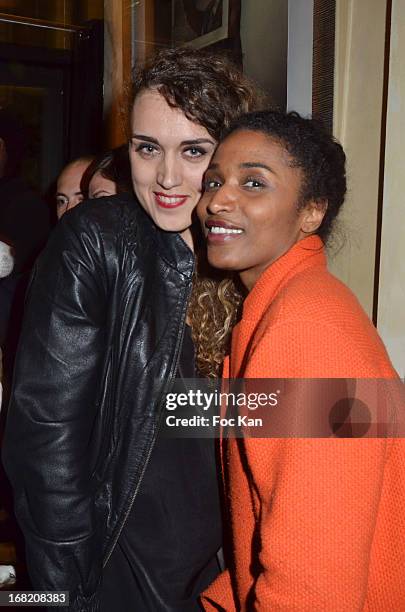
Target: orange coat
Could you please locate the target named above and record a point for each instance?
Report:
(316, 524)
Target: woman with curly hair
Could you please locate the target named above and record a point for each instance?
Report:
(317, 521)
(113, 512)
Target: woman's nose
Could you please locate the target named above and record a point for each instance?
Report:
(223, 199)
(169, 173)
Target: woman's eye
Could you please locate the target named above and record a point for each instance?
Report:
(211, 184)
(147, 150)
(194, 152)
(253, 183)
(62, 201)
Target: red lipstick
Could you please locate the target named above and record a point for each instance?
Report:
(173, 200)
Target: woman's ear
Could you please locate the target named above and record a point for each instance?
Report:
(313, 214)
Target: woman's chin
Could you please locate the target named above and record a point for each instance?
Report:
(174, 227)
(178, 225)
(222, 263)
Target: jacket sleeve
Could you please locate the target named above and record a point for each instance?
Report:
(48, 446)
(319, 502)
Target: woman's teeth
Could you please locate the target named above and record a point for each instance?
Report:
(172, 201)
(215, 229)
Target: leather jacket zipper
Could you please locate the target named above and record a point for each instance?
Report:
(168, 383)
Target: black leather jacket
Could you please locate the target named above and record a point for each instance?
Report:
(99, 349)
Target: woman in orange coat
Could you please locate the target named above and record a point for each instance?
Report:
(317, 523)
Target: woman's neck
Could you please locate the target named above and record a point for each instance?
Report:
(188, 238)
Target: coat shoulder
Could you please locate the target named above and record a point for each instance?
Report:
(108, 214)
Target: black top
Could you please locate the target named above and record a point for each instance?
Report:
(91, 364)
(24, 221)
(166, 554)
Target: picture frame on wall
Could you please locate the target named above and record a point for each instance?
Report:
(199, 23)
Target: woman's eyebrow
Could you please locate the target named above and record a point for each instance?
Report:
(195, 141)
(147, 138)
(60, 193)
(192, 141)
(215, 166)
(256, 165)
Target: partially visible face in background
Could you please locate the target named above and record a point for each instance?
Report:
(169, 155)
(100, 186)
(6, 259)
(68, 190)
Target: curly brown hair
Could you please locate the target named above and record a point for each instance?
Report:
(207, 87)
(212, 92)
(213, 310)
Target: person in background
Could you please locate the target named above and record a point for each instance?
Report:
(24, 228)
(24, 225)
(68, 188)
(24, 216)
(317, 521)
(6, 267)
(108, 174)
(7, 571)
(112, 511)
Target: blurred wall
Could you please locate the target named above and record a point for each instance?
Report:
(300, 56)
(264, 34)
(358, 95)
(117, 68)
(391, 297)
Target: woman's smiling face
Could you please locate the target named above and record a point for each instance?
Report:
(249, 208)
(169, 155)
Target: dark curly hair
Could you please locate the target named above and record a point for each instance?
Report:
(312, 149)
(207, 87)
(113, 165)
